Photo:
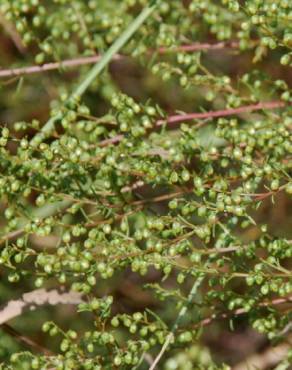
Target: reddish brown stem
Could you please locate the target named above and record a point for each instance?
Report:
(206, 115)
(222, 113)
(200, 47)
(51, 66)
(95, 58)
(242, 311)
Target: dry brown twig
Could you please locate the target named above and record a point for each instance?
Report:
(14, 36)
(271, 357)
(25, 340)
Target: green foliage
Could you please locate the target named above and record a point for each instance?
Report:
(105, 190)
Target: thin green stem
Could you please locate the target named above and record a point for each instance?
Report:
(177, 322)
(80, 90)
(117, 45)
(98, 68)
